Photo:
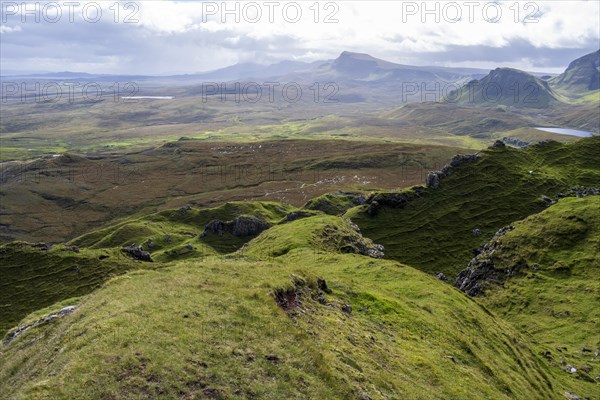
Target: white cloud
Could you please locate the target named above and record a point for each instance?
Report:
(392, 30)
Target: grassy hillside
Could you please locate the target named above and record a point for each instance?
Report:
(307, 324)
(306, 308)
(508, 87)
(553, 293)
(434, 232)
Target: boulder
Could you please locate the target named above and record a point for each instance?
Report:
(498, 144)
(138, 253)
(244, 225)
(247, 225)
(433, 180)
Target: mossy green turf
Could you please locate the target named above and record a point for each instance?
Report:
(201, 329)
(201, 325)
(435, 232)
(555, 296)
(32, 278)
(170, 231)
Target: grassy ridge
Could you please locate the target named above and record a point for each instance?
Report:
(33, 278)
(434, 232)
(555, 295)
(212, 329)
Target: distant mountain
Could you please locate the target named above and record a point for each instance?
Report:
(582, 75)
(363, 67)
(505, 86)
(254, 70)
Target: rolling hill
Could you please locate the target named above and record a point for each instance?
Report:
(581, 77)
(309, 321)
(433, 229)
(508, 87)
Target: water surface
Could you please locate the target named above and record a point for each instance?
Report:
(564, 131)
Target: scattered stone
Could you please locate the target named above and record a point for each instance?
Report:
(189, 247)
(441, 276)
(167, 238)
(183, 210)
(535, 267)
(347, 308)
(476, 232)
(364, 396)
(273, 357)
(213, 393)
(60, 313)
(572, 396)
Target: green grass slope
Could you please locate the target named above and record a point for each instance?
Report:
(36, 276)
(32, 277)
(434, 232)
(167, 235)
(213, 329)
(554, 294)
(506, 86)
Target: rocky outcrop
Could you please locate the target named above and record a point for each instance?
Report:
(515, 142)
(350, 241)
(498, 144)
(297, 296)
(578, 192)
(138, 253)
(481, 270)
(433, 178)
(14, 334)
(294, 215)
(244, 225)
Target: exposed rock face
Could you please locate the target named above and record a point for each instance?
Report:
(498, 144)
(481, 269)
(433, 180)
(244, 225)
(582, 74)
(137, 252)
(350, 242)
(578, 192)
(393, 200)
(515, 142)
(434, 177)
(299, 295)
(61, 313)
(294, 215)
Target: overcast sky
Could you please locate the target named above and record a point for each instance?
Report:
(169, 37)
